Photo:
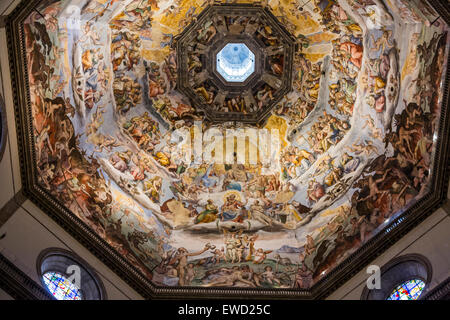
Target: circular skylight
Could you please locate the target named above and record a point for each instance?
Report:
(235, 62)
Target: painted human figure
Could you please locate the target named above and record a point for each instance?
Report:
(303, 278)
(207, 215)
(231, 209)
(355, 51)
(257, 213)
(269, 276)
(182, 258)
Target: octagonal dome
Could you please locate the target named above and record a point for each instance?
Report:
(328, 151)
(265, 79)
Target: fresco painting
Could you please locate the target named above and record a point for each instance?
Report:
(356, 136)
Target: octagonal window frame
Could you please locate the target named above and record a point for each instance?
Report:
(229, 71)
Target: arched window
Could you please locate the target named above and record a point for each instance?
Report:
(68, 277)
(403, 278)
(3, 127)
(409, 290)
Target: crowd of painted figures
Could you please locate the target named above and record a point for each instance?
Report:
(306, 82)
(389, 184)
(140, 151)
(125, 56)
(377, 72)
(72, 176)
(346, 60)
(269, 207)
(238, 262)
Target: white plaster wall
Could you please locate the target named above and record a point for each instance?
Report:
(4, 295)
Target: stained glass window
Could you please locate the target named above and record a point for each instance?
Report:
(235, 62)
(60, 287)
(409, 290)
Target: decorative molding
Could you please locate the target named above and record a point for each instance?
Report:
(3, 124)
(411, 218)
(442, 8)
(11, 207)
(440, 292)
(18, 285)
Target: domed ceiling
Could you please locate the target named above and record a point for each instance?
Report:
(256, 145)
